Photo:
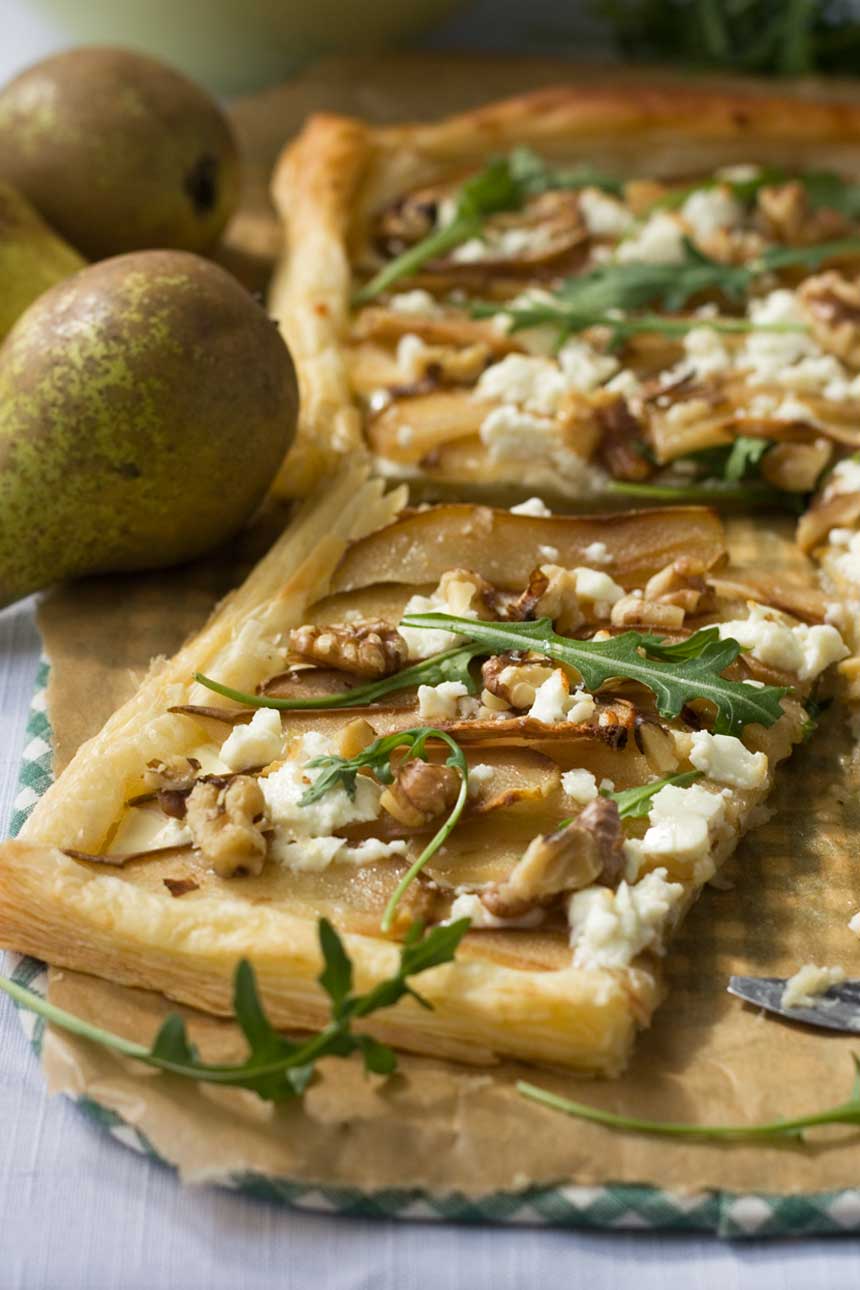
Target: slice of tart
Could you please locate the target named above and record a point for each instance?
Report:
(556, 727)
(593, 295)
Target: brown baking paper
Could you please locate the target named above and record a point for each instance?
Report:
(707, 1058)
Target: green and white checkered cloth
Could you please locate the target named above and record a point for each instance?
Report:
(612, 1206)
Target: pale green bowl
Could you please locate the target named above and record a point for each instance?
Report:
(233, 46)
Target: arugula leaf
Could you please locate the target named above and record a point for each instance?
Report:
(505, 184)
(847, 1112)
(744, 455)
(276, 1069)
(342, 772)
(635, 802)
(636, 657)
(452, 665)
(591, 299)
(712, 492)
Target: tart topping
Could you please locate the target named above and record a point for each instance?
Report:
(227, 825)
(371, 649)
(421, 792)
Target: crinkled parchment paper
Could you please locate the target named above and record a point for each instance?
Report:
(707, 1058)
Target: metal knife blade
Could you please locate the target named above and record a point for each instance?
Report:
(837, 1009)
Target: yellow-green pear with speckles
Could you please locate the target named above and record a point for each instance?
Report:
(146, 403)
(119, 152)
(32, 257)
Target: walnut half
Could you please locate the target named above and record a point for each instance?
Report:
(227, 823)
(371, 649)
(421, 792)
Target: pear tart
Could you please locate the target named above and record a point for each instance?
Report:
(589, 294)
(575, 743)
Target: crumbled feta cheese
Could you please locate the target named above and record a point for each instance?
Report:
(548, 552)
(845, 476)
(603, 215)
(255, 744)
(580, 785)
(410, 352)
(598, 587)
(510, 434)
(479, 777)
(659, 241)
(425, 642)
(172, 833)
(707, 210)
(313, 855)
(469, 905)
(471, 251)
(684, 823)
(535, 506)
(415, 302)
(441, 702)
(625, 383)
(584, 367)
(597, 553)
(673, 801)
(726, 760)
(609, 929)
(684, 837)
(793, 409)
(705, 352)
(554, 702)
(535, 384)
(767, 354)
(802, 649)
(285, 786)
(809, 982)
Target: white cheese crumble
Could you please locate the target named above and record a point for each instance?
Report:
(845, 476)
(707, 210)
(609, 929)
(534, 506)
(809, 982)
(684, 823)
(313, 855)
(597, 553)
(804, 649)
(510, 434)
(173, 833)
(705, 352)
(536, 384)
(604, 216)
(415, 302)
(425, 642)
(410, 352)
(469, 905)
(596, 586)
(286, 785)
(579, 785)
(584, 367)
(554, 702)
(767, 354)
(441, 702)
(258, 743)
(724, 759)
(659, 241)
(479, 777)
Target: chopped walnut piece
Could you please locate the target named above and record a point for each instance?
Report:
(636, 611)
(180, 886)
(621, 451)
(833, 305)
(589, 849)
(467, 593)
(515, 677)
(227, 825)
(447, 365)
(421, 792)
(785, 213)
(559, 600)
(796, 467)
(680, 583)
(175, 772)
(370, 649)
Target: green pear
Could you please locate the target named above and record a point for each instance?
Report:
(32, 257)
(146, 403)
(119, 152)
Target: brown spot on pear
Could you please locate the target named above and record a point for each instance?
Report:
(119, 152)
(145, 406)
(32, 256)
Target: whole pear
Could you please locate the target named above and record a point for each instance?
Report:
(119, 152)
(145, 406)
(32, 256)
